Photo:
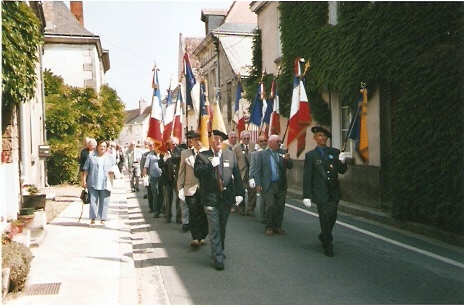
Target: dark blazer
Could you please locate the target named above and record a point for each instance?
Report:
(208, 179)
(261, 169)
(320, 176)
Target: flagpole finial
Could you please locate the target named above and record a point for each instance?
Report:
(306, 67)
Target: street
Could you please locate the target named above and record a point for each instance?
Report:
(372, 263)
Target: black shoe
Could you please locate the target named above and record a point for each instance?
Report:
(145, 196)
(328, 252)
(150, 211)
(218, 266)
(185, 228)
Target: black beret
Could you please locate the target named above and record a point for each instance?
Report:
(191, 134)
(220, 133)
(321, 129)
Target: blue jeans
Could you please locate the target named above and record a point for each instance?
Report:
(99, 199)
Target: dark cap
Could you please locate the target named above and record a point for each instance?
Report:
(321, 129)
(192, 134)
(220, 133)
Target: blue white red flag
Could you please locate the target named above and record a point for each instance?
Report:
(300, 115)
(155, 126)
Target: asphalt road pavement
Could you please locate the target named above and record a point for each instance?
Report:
(373, 264)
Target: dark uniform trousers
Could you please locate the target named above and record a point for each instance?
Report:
(197, 218)
(218, 213)
(274, 199)
(327, 217)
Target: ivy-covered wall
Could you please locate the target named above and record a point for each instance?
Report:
(415, 50)
(21, 37)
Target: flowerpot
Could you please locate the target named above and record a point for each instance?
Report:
(36, 201)
(26, 211)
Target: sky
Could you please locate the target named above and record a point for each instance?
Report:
(139, 33)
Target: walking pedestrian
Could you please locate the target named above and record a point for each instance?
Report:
(269, 171)
(220, 187)
(189, 191)
(243, 151)
(152, 167)
(98, 179)
(320, 184)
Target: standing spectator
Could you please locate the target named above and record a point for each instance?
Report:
(269, 171)
(120, 159)
(189, 191)
(144, 152)
(320, 184)
(88, 149)
(143, 176)
(220, 187)
(243, 153)
(98, 179)
(132, 165)
(153, 164)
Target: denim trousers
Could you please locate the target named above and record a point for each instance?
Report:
(99, 202)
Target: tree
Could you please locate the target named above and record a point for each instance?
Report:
(73, 113)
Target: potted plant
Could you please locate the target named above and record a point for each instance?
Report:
(34, 199)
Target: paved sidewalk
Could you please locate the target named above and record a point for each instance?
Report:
(76, 264)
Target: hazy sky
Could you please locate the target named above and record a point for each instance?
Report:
(138, 33)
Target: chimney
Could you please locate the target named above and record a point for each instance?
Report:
(142, 106)
(77, 11)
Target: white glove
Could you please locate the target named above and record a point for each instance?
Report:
(238, 200)
(146, 182)
(252, 183)
(215, 161)
(342, 157)
(307, 202)
(181, 195)
(166, 157)
(190, 161)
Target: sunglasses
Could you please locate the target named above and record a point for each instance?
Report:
(246, 138)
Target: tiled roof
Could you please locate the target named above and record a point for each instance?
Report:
(133, 117)
(60, 20)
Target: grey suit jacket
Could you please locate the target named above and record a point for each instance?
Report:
(261, 169)
(243, 159)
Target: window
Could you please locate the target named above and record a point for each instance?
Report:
(333, 12)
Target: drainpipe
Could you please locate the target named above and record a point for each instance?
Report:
(218, 81)
(23, 168)
(44, 125)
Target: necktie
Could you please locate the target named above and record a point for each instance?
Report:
(246, 149)
(218, 173)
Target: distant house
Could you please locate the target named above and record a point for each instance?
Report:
(70, 50)
(136, 125)
(226, 52)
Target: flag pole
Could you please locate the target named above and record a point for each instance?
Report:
(350, 130)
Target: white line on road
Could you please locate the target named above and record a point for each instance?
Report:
(394, 242)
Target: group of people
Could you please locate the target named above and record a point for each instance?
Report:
(209, 183)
